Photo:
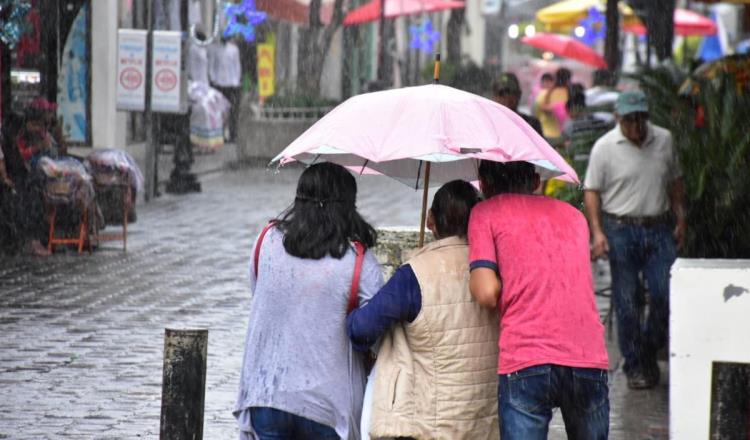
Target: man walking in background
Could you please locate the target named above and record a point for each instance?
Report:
(632, 181)
(225, 71)
(507, 91)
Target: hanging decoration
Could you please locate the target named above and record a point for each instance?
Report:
(424, 37)
(214, 32)
(12, 23)
(243, 18)
(593, 27)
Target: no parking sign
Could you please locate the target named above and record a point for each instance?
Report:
(131, 69)
(167, 84)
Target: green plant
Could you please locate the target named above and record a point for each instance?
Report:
(466, 76)
(714, 158)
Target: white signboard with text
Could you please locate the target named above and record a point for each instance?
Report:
(166, 81)
(491, 7)
(131, 69)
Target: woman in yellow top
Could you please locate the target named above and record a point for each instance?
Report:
(550, 106)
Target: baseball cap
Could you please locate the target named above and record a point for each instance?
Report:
(507, 82)
(632, 101)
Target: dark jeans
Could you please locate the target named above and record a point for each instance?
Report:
(526, 399)
(233, 95)
(274, 424)
(633, 250)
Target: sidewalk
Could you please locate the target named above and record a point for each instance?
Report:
(82, 348)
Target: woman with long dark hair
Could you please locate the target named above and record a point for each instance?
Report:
(300, 378)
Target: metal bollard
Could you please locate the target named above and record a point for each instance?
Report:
(184, 384)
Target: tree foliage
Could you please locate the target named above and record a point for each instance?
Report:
(714, 157)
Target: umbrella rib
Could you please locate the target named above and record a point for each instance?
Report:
(419, 173)
(364, 165)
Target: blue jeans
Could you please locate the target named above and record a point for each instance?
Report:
(274, 424)
(632, 250)
(526, 399)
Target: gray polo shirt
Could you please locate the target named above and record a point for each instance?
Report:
(633, 181)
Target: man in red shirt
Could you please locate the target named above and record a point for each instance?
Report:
(529, 258)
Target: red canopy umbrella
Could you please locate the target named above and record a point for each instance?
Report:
(567, 47)
(396, 8)
(686, 23)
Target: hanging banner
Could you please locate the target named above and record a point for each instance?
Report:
(72, 81)
(166, 68)
(131, 69)
(266, 71)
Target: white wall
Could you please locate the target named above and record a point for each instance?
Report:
(107, 125)
(473, 44)
(709, 321)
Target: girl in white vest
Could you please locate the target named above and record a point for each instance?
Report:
(435, 375)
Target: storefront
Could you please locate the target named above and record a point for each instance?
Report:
(51, 59)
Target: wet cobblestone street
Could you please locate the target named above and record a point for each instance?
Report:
(82, 335)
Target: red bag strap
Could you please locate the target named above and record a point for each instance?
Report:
(360, 249)
(257, 246)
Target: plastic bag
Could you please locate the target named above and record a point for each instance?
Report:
(110, 166)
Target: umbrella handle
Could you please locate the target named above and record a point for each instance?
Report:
(436, 72)
(424, 203)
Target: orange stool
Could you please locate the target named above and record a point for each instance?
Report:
(82, 230)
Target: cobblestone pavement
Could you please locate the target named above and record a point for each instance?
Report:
(81, 352)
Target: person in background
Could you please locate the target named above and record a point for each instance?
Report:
(52, 123)
(34, 141)
(529, 260)
(550, 107)
(300, 378)
(506, 91)
(546, 82)
(632, 182)
(225, 73)
(582, 124)
(437, 340)
(602, 96)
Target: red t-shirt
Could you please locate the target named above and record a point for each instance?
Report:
(540, 249)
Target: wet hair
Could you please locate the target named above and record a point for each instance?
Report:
(323, 220)
(451, 207)
(562, 77)
(509, 177)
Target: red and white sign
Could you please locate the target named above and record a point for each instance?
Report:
(131, 69)
(166, 64)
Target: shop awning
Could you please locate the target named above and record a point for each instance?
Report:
(294, 11)
(565, 15)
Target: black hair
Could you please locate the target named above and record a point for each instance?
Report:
(451, 207)
(509, 177)
(562, 77)
(547, 77)
(323, 219)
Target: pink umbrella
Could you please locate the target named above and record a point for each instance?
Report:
(418, 134)
(686, 23)
(567, 47)
(396, 8)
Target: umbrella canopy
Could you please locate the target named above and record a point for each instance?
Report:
(396, 8)
(735, 65)
(686, 24)
(567, 47)
(394, 132)
(565, 15)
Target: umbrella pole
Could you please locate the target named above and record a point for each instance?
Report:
(424, 203)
